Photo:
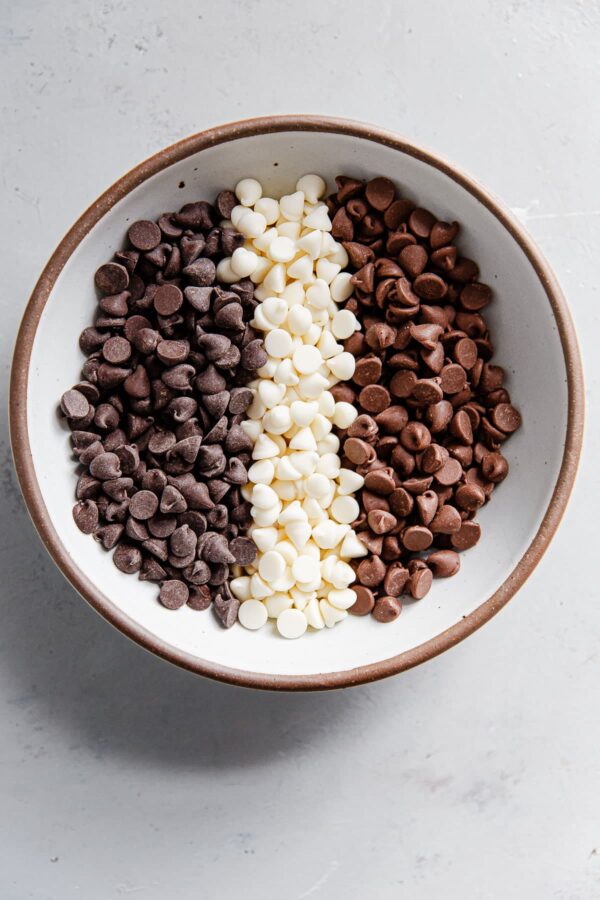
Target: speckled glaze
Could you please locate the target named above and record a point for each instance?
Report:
(362, 137)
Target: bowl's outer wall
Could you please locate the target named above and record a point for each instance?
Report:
(533, 337)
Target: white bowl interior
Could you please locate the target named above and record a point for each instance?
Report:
(527, 345)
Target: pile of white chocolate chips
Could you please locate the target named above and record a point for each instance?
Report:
(302, 499)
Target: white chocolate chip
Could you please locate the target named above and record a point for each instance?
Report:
(331, 615)
(269, 208)
(248, 191)
(301, 500)
(306, 569)
(352, 548)
(275, 309)
(341, 287)
(252, 224)
(307, 359)
(313, 614)
(277, 603)
(291, 623)
(252, 614)
(342, 366)
(262, 472)
(243, 262)
(318, 218)
(301, 269)
(344, 324)
(350, 481)
(271, 566)
(344, 414)
(240, 587)
(313, 187)
(274, 280)
(311, 243)
(345, 509)
(259, 589)
(282, 249)
(264, 538)
(225, 272)
(292, 206)
(278, 343)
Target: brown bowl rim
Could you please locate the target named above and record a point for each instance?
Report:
(105, 607)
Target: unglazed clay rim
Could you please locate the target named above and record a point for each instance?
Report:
(101, 603)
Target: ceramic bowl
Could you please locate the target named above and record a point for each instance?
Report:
(534, 339)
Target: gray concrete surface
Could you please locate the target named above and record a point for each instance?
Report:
(476, 775)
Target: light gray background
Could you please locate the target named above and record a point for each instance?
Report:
(476, 775)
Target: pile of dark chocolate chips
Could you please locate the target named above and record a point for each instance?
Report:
(156, 419)
(434, 413)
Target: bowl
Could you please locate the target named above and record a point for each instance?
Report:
(534, 338)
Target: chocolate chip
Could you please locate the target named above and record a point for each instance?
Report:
(127, 558)
(420, 583)
(417, 538)
(374, 398)
(143, 505)
(430, 287)
(380, 193)
(427, 391)
(144, 235)
(168, 299)
(439, 415)
(506, 418)
(111, 278)
(444, 563)
(135, 530)
(183, 541)
(85, 514)
(395, 579)
(415, 437)
(105, 466)
(109, 535)
(403, 384)
(201, 273)
(380, 521)
(474, 297)
(118, 488)
(430, 457)
(420, 222)
(74, 404)
(173, 594)
(365, 601)
(367, 371)
(380, 481)
(427, 504)
(467, 537)
(197, 573)
(494, 467)
(151, 570)
(371, 571)
(446, 521)
(200, 597)
(401, 502)
(225, 203)
(450, 473)
(137, 384)
(387, 609)
(358, 451)
(243, 551)
(254, 356)
(469, 497)
(226, 609)
(465, 353)
(157, 548)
